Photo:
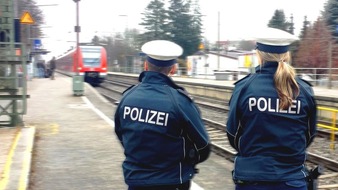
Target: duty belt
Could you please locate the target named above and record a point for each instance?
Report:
(243, 182)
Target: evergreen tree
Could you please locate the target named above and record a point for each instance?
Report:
(278, 21)
(155, 22)
(196, 25)
(291, 26)
(180, 23)
(306, 25)
(184, 26)
(331, 16)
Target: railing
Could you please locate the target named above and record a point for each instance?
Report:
(324, 111)
(316, 76)
(319, 76)
(333, 127)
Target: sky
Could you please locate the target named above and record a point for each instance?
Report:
(238, 18)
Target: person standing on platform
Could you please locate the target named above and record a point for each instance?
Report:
(159, 126)
(272, 120)
(52, 67)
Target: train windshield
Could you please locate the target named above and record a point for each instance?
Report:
(91, 57)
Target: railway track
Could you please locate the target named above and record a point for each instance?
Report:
(215, 125)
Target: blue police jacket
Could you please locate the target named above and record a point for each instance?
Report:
(161, 131)
(271, 142)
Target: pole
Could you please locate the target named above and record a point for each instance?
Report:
(218, 39)
(206, 65)
(78, 86)
(77, 30)
(329, 85)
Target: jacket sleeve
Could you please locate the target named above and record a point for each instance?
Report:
(196, 132)
(233, 125)
(195, 129)
(117, 123)
(233, 122)
(312, 119)
(306, 88)
(117, 127)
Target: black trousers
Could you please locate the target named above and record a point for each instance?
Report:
(184, 186)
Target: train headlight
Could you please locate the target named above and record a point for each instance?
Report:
(104, 68)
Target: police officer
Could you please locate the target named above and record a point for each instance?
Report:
(272, 120)
(159, 126)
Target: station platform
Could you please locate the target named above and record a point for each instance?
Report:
(73, 142)
(68, 142)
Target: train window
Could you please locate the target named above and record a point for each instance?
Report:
(91, 57)
(91, 61)
(97, 50)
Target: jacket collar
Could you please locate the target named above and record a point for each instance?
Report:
(267, 67)
(157, 78)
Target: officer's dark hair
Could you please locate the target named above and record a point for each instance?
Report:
(163, 70)
(285, 77)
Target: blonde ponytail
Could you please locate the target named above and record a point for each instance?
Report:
(284, 79)
(286, 85)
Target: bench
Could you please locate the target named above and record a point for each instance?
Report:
(9, 90)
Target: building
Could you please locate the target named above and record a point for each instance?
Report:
(232, 64)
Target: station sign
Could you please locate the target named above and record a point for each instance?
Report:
(26, 18)
(201, 46)
(37, 44)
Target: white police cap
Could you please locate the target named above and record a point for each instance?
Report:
(272, 40)
(162, 53)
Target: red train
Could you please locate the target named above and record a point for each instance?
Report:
(92, 63)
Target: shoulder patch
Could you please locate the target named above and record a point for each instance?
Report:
(185, 93)
(242, 79)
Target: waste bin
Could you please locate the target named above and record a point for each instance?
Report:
(78, 85)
